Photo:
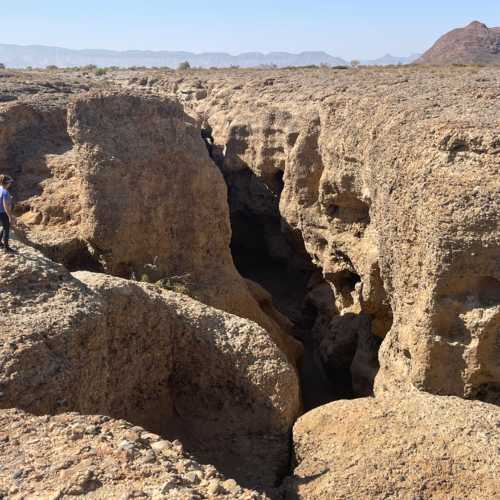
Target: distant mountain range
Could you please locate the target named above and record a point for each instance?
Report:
(474, 44)
(39, 56)
(388, 59)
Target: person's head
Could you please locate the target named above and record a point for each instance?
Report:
(6, 181)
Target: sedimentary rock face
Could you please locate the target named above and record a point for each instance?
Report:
(392, 180)
(97, 344)
(434, 447)
(123, 184)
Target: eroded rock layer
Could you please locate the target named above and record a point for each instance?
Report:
(391, 179)
(97, 344)
(370, 199)
(123, 184)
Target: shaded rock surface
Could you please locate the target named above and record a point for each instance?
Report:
(422, 446)
(97, 344)
(97, 457)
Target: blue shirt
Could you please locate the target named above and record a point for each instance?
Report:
(4, 195)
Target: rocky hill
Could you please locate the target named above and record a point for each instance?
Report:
(474, 44)
(209, 265)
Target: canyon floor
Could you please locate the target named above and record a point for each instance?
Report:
(236, 283)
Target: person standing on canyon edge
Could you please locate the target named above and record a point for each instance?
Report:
(6, 215)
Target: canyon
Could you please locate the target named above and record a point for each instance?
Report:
(251, 284)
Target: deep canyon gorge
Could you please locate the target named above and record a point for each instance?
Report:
(290, 275)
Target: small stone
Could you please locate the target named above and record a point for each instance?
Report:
(135, 494)
(193, 477)
(92, 430)
(17, 474)
(210, 471)
(230, 485)
(180, 468)
(161, 446)
(168, 486)
(149, 436)
(214, 487)
(129, 448)
(149, 457)
(131, 436)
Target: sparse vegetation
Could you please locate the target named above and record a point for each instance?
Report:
(177, 284)
(52, 67)
(2, 66)
(355, 63)
(183, 66)
(100, 71)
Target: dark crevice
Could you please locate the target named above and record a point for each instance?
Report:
(270, 253)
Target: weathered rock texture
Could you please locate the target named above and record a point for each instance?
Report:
(422, 446)
(123, 184)
(97, 344)
(71, 455)
(474, 44)
(391, 178)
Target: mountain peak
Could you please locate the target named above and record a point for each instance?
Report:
(473, 44)
(477, 24)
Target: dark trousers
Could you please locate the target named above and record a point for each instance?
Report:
(5, 232)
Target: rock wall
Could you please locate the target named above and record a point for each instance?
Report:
(123, 184)
(391, 180)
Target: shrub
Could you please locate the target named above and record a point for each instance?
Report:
(355, 63)
(51, 67)
(100, 71)
(184, 66)
(2, 66)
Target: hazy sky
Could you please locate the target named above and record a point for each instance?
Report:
(351, 29)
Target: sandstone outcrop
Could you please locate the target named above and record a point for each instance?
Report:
(421, 446)
(98, 344)
(369, 201)
(72, 455)
(123, 184)
(394, 188)
(473, 44)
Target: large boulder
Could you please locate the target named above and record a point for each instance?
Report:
(93, 343)
(97, 457)
(422, 447)
(123, 184)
